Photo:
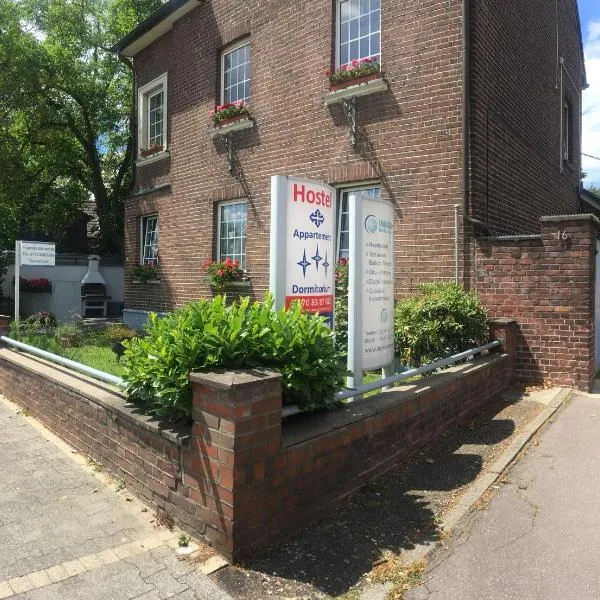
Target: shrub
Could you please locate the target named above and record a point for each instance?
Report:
(69, 335)
(40, 321)
(118, 333)
(340, 322)
(208, 334)
(443, 319)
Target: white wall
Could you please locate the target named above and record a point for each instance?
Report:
(65, 299)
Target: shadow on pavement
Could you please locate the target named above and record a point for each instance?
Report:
(390, 513)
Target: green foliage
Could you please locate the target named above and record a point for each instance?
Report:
(208, 334)
(69, 335)
(341, 306)
(66, 106)
(144, 273)
(41, 321)
(4, 260)
(443, 319)
(118, 333)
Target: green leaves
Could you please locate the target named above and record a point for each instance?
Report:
(443, 319)
(208, 334)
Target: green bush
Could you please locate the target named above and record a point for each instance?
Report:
(69, 335)
(340, 322)
(441, 320)
(118, 333)
(208, 334)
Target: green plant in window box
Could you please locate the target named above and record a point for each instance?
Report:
(222, 272)
(152, 149)
(355, 71)
(144, 273)
(228, 112)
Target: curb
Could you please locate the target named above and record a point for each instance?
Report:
(481, 485)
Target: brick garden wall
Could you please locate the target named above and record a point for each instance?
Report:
(548, 286)
(239, 477)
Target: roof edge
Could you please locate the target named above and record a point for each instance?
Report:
(154, 26)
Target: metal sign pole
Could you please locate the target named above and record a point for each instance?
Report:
(355, 292)
(17, 279)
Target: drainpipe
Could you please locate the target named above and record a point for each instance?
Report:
(466, 117)
(456, 207)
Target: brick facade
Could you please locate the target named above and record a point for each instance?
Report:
(240, 477)
(546, 283)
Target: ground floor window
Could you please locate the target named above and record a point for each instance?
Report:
(231, 241)
(149, 241)
(343, 222)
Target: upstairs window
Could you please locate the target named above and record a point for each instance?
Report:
(149, 241)
(235, 70)
(358, 30)
(152, 116)
(232, 231)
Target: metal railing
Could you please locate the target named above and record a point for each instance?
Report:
(350, 393)
(65, 362)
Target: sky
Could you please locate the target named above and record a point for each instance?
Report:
(589, 12)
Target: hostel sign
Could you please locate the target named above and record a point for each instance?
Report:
(303, 244)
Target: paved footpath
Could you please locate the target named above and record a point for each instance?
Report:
(65, 535)
(539, 537)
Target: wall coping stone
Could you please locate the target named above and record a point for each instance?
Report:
(96, 392)
(510, 238)
(305, 426)
(227, 380)
(556, 218)
(502, 320)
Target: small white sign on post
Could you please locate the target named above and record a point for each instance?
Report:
(302, 262)
(370, 286)
(37, 254)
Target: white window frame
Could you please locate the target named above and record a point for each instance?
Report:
(145, 92)
(362, 187)
(338, 23)
(220, 205)
(143, 220)
(243, 42)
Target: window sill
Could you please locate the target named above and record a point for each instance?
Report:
(141, 162)
(354, 91)
(239, 125)
(150, 281)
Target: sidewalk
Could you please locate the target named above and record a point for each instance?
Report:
(65, 535)
(538, 538)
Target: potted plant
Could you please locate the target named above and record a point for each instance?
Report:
(37, 285)
(230, 112)
(355, 72)
(144, 273)
(153, 149)
(227, 277)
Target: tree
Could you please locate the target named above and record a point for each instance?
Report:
(66, 114)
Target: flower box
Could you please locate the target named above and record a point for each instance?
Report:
(146, 152)
(357, 89)
(232, 124)
(342, 85)
(233, 290)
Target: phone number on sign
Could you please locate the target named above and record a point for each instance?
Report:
(312, 303)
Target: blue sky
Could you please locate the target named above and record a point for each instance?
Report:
(589, 12)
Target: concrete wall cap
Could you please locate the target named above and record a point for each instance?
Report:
(501, 321)
(226, 380)
(558, 218)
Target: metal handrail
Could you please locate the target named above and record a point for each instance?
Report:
(65, 362)
(350, 393)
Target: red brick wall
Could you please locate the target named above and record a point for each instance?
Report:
(515, 104)
(548, 286)
(410, 137)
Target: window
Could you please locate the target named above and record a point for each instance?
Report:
(567, 132)
(235, 70)
(149, 241)
(358, 30)
(152, 115)
(343, 230)
(232, 231)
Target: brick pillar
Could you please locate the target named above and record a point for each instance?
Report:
(236, 442)
(505, 331)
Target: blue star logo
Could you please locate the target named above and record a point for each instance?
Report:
(317, 218)
(317, 258)
(304, 264)
(325, 264)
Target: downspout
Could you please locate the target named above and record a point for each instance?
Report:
(466, 116)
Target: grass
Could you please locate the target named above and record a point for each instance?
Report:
(94, 352)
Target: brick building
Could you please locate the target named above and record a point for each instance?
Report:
(479, 106)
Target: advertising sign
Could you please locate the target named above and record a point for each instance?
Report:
(371, 285)
(39, 254)
(303, 244)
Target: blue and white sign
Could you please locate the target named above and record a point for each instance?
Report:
(371, 285)
(303, 244)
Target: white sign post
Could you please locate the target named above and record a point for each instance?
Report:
(38, 254)
(370, 287)
(302, 263)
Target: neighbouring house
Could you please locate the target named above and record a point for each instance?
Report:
(478, 105)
